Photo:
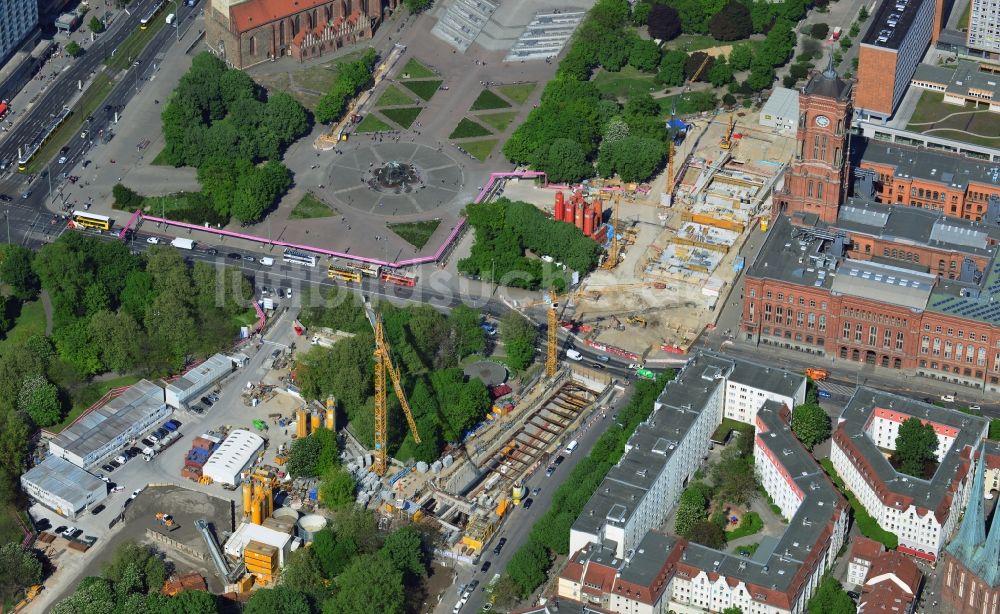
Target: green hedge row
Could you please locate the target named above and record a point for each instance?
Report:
(866, 523)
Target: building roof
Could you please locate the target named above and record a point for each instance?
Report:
(865, 549)
(784, 102)
(562, 605)
(828, 84)
(961, 79)
(780, 576)
(891, 586)
(895, 34)
(252, 14)
(208, 371)
(232, 456)
(896, 489)
(94, 430)
(641, 576)
(64, 480)
(248, 532)
(948, 169)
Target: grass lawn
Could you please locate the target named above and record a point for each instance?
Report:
(306, 84)
(488, 100)
(517, 92)
(468, 129)
(963, 21)
(424, 89)
(624, 82)
(497, 121)
(404, 117)
(416, 234)
(160, 160)
(694, 42)
(480, 149)
(135, 43)
(393, 97)
(247, 318)
(86, 396)
(310, 207)
(750, 524)
(31, 321)
(88, 103)
(372, 124)
(164, 205)
(931, 111)
(415, 70)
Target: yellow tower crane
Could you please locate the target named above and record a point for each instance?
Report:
(614, 252)
(670, 169)
(553, 338)
(383, 365)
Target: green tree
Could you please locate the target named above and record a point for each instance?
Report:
(863, 13)
(672, 68)
(369, 585)
(761, 76)
(16, 272)
(404, 548)
(518, 335)
(734, 477)
(303, 572)
(732, 610)
(358, 525)
(96, 25)
(916, 444)
(277, 600)
(74, 49)
(644, 55)
(126, 198)
(633, 158)
(20, 569)
(77, 348)
(313, 455)
(698, 64)
(184, 602)
(333, 552)
(830, 598)
(690, 510)
(721, 73)
(664, 23)
(527, 566)
(708, 534)
(118, 338)
(285, 116)
(741, 56)
(418, 6)
(337, 487)
(820, 30)
(567, 162)
(613, 52)
(470, 338)
(810, 424)
(39, 399)
(731, 23)
(15, 436)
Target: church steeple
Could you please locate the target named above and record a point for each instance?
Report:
(988, 559)
(972, 534)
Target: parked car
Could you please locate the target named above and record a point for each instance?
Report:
(597, 365)
(71, 532)
(175, 423)
(207, 401)
(486, 566)
(108, 468)
(153, 241)
(528, 502)
(249, 259)
(535, 492)
(550, 471)
(59, 530)
(97, 509)
(121, 459)
(146, 442)
(948, 398)
(603, 358)
(162, 432)
(234, 256)
(823, 394)
(198, 409)
(115, 463)
(559, 460)
(135, 493)
(499, 546)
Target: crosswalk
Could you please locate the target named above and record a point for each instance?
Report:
(840, 390)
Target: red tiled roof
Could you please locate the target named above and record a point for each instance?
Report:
(867, 549)
(255, 13)
(886, 596)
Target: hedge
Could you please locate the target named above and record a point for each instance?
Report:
(866, 523)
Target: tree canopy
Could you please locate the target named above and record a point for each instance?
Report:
(916, 445)
(663, 22)
(731, 23)
(830, 598)
(352, 77)
(810, 424)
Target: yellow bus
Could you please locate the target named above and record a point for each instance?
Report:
(346, 274)
(82, 219)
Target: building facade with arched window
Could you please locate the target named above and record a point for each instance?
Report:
(249, 32)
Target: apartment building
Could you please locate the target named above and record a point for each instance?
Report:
(666, 450)
(921, 512)
(984, 27)
(17, 19)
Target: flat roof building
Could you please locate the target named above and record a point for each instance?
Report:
(983, 33)
(18, 18)
(781, 111)
(63, 487)
(235, 454)
(965, 82)
(107, 429)
(182, 391)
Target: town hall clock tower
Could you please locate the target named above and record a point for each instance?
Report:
(815, 181)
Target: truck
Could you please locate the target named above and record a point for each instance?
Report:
(267, 261)
(180, 243)
(170, 19)
(817, 375)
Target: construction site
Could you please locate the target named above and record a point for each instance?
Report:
(673, 245)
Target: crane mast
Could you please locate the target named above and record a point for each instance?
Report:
(553, 338)
(383, 365)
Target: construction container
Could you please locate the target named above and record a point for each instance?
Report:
(570, 212)
(201, 442)
(581, 210)
(283, 525)
(191, 473)
(598, 213)
(588, 221)
(316, 421)
(301, 423)
(310, 525)
(261, 560)
(560, 209)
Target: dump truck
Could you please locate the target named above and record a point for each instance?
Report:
(817, 375)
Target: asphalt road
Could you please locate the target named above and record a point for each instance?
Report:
(517, 526)
(60, 93)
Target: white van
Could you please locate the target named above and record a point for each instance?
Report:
(572, 446)
(266, 261)
(574, 355)
(170, 19)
